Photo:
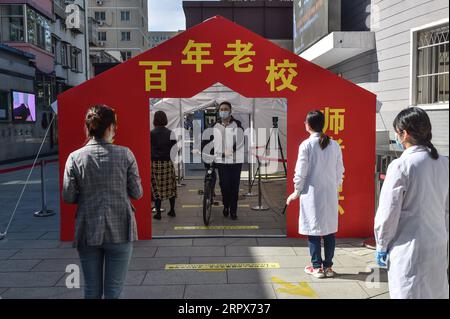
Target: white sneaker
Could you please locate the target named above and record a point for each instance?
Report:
(329, 273)
(315, 272)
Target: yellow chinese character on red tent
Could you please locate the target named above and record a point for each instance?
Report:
(334, 120)
(155, 78)
(195, 53)
(241, 53)
(283, 72)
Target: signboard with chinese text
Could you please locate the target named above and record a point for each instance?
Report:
(314, 19)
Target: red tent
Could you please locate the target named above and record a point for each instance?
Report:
(219, 50)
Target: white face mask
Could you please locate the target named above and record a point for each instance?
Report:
(224, 114)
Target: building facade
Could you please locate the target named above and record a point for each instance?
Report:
(270, 19)
(396, 49)
(155, 38)
(43, 54)
(69, 44)
(122, 27)
(27, 78)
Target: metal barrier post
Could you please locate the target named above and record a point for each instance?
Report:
(260, 206)
(44, 212)
(250, 173)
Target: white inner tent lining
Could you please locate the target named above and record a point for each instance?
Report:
(259, 111)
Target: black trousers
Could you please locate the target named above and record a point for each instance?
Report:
(229, 180)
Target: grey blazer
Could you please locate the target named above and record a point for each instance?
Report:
(100, 178)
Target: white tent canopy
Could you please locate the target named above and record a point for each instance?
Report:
(252, 112)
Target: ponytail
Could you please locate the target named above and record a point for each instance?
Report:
(433, 151)
(324, 141)
(316, 121)
(416, 122)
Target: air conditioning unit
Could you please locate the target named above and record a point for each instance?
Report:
(100, 23)
(101, 43)
(99, 2)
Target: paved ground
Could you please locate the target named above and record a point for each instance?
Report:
(33, 261)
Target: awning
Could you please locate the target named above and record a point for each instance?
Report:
(339, 46)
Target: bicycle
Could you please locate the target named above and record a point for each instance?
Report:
(209, 192)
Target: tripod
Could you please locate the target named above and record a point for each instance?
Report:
(275, 126)
(260, 207)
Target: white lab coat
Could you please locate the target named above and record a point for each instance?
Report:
(411, 224)
(318, 175)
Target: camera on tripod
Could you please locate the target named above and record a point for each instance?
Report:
(275, 121)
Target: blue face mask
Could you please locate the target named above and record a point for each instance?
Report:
(398, 143)
(224, 114)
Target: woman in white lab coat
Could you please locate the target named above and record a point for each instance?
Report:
(318, 176)
(411, 224)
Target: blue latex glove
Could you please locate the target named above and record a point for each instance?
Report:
(381, 258)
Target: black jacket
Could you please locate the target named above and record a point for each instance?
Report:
(161, 144)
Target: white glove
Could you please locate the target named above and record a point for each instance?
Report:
(292, 197)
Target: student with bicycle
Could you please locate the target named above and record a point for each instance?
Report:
(228, 151)
(318, 175)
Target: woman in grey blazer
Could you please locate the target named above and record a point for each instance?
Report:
(101, 178)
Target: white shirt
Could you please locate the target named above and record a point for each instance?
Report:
(225, 137)
(318, 176)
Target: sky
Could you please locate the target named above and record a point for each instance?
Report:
(166, 15)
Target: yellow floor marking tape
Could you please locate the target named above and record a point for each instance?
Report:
(301, 289)
(221, 267)
(200, 206)
(213, 227)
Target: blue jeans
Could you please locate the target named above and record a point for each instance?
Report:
(315, 250)
(112, 260)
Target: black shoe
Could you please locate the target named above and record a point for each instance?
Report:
(172, 213)
(157, 216)
(226, 212)
(233, 216)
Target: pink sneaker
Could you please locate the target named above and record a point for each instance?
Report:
(315, 272)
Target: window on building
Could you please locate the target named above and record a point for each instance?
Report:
(100, 15)
(101, 36)
(65, 49)
(125, 15)
(38, 28)
(126, 36)
(76, 59)
(432, 65)
(55, 49)
(4, 105)
(12, 25)
(126, 55)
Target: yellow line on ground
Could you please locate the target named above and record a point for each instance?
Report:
(219, 267)
(213, 227)
(199, 206)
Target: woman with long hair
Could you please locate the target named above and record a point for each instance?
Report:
(411, 224)
(318, 176)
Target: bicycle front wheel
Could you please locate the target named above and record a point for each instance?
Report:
(207, 205)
